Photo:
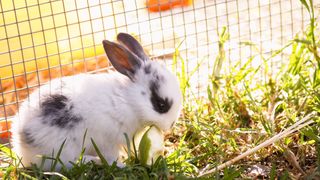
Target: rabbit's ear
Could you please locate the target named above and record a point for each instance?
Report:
(122, 59)
(133, 45)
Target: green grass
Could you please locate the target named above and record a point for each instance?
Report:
(237, 114)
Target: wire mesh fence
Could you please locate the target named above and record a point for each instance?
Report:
(41, 39)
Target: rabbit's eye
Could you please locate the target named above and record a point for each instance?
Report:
(161, 105)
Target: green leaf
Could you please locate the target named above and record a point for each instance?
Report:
(103, 160)
(144, 148)
(8, 152)
(128, 145)
(56, 160)
(27, 176)
(305, 4)
(273, 172)
(304, 41)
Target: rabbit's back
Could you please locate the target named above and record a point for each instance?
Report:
(65, 109)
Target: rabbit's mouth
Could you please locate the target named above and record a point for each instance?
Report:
(167, 127)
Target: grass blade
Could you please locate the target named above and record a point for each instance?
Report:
(56, 160)
(103, 160)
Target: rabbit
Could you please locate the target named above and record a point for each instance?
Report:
(103, 106)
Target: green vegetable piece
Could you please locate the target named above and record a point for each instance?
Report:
(150, 146)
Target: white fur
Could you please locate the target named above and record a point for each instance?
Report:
(110, 105)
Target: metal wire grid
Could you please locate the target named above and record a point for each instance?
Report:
(34, 31)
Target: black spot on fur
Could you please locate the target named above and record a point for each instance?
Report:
(143, 92)
(157, 77)
(147, 69)
(57, 113)
(160, 104)
(53, 104)
(27, 137)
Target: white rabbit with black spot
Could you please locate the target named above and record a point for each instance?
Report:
(139, 93)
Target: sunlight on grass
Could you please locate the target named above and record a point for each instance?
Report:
(240, 112)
